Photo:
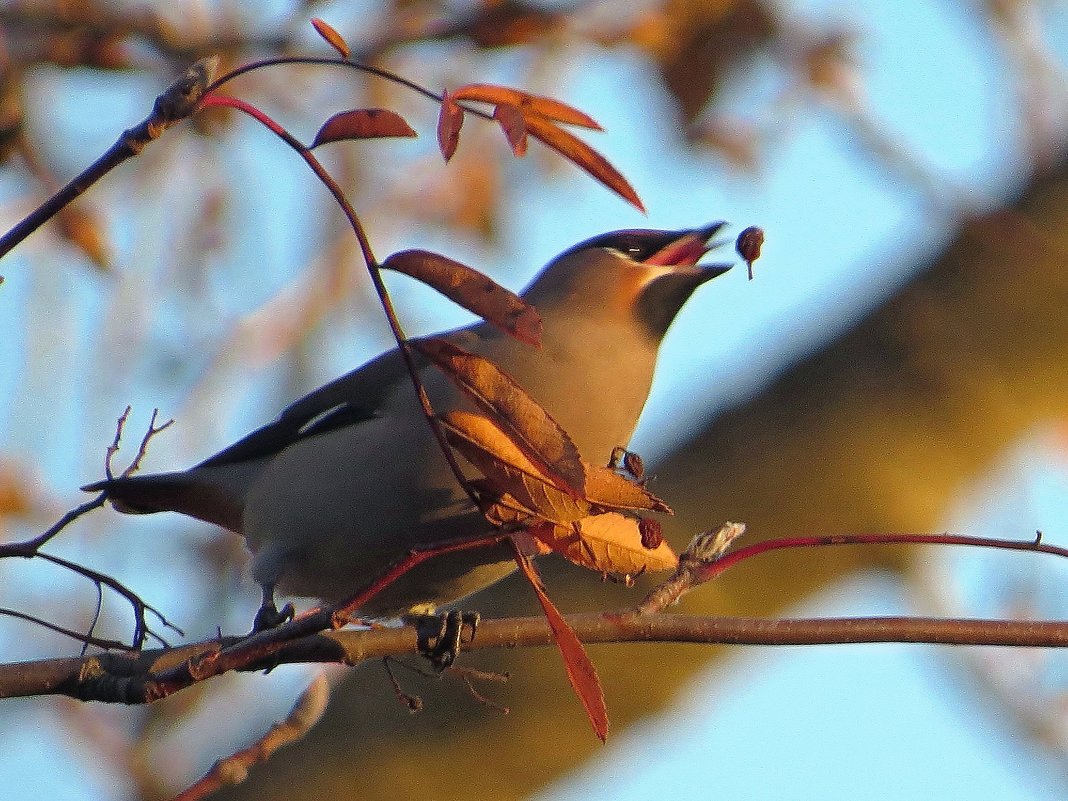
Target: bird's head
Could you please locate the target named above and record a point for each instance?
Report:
(638, 274)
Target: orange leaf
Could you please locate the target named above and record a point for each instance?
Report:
(584, 156)
(450, 118)
(527, 104)
(524, 421)
(580, 670)
(514, 127)
(608, 488)
(471, 289)
(332, 37)
(609, 543)
(362, 123)
(485, 445)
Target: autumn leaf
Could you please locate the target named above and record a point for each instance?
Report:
(527, 104)
(514, 126)
(485, 445)
(605, 487)
(609, 543)
(584, 156)
(580, 670)
(525, 422)
(332, 37)
(362, 123)
(450, 118)
(471, 289)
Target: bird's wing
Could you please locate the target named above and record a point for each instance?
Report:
(348, 400)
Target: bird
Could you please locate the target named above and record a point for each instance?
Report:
(349, 478)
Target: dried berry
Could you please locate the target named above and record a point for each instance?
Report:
(652, 533)
(748, 246)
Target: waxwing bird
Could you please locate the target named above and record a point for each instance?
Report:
(349, 477)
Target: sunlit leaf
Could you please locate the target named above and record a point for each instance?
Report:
(584, 156)
(528, 104)
(608, 488)
(485, 445)
(525, 422)
(609, 542)
(362, 123)
(471, 289)
(332, 37)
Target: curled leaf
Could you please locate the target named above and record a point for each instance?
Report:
(525, 423)
(514, 126)
(580, 670)
(362, 123)
(527, 104)
(584, 156)
(485, 445)
(609, 543)
(450, 118)
(332, 37)
(471, 289)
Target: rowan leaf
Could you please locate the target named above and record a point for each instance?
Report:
(362, 123)
(528, 104)
(522, 418)
(514, 126)
(332, 37)
(485, 445)
(580, 670)
(609, 543)
(578, 152)
(471, 289)
(450, 119)
(605, 487)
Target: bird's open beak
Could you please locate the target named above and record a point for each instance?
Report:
(682, 254)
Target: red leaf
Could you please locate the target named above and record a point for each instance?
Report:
(362, 123)
(571, 147)
(471, 289)
(527, 104)
(513, 125)
(450, 119)
(580, 670)
(332, 37)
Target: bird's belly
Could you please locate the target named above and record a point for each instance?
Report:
(329, 514)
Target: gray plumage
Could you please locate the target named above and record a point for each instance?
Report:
(349, 477)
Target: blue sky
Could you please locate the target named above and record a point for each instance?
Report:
(896, 722)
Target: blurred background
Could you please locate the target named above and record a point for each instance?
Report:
(898, 364)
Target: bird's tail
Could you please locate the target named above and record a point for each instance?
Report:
(184, 492)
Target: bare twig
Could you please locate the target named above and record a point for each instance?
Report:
(234, 769)
(177, 102)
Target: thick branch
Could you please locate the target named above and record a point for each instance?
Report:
(127, 678)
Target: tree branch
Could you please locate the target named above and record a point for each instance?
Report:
(129, 678)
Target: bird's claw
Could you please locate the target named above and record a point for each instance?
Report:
(268, 616)
(441, 636)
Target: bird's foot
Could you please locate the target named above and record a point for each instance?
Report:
(268, 616)
(441, 636)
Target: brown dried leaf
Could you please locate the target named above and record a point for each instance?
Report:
(580, 670)
(362, 123)
(609, 543)
(584, 156)
(525, 422)
(526, 103)
(608, 488)
(471, 289)
(482, 442)
(332, 37)
(450, 118)
(514, 126)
